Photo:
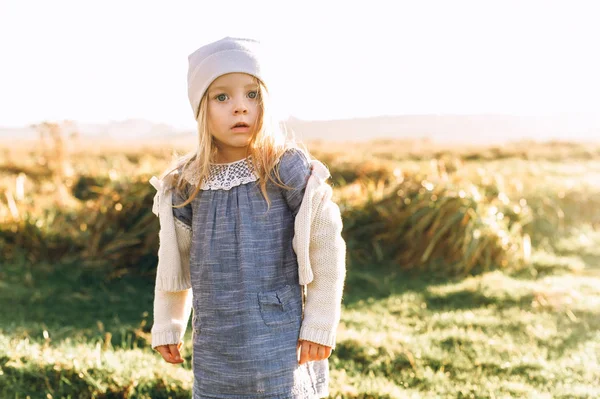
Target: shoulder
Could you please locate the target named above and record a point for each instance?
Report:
(294, 162)
(174, 182)
(180, 173)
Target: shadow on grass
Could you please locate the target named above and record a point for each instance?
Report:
(469, 299)
(70, 303)
(381, 281)
(81, 305)
(585, 326)
(591, 260)
(66, 381)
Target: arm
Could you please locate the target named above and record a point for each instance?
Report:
(172, 309)
(327, 252)
(173, 295)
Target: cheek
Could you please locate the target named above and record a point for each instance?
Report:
(212, 117)
(256, 111)
(210, 112)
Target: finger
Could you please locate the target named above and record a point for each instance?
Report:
(165, 353)
(175, 355)
(327, 352)
(304, 357)
(313, 351)
(320, 353)
(175, 350)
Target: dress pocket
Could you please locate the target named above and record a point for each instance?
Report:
(277, 307)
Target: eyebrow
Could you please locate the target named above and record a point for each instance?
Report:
(249, 85)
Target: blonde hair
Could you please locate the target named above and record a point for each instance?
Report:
(268, 143)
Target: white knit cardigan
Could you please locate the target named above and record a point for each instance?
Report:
(317, 242)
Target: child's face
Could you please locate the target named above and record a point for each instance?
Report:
(233, 99)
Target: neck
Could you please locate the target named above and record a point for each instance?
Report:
(230, 155)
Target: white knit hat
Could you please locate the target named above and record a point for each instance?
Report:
(218, 58)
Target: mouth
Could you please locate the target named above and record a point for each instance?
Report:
(240, 125)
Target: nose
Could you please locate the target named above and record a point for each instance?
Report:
(240, 107)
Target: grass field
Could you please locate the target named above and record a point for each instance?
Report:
(72, 326)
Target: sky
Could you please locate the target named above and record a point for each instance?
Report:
(111, 60)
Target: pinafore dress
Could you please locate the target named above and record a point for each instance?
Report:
(247, 302)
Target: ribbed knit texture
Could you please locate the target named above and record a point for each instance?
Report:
(305, 219)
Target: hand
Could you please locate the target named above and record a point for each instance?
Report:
(310, 351)
(170, 353)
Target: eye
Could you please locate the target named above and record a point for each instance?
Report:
(253, 94)
(221, 97)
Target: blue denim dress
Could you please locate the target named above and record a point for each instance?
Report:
(247, 302)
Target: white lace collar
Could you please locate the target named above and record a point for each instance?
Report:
(225, 176)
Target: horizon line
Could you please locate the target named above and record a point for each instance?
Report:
(295, 118)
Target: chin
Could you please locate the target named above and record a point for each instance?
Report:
(240, 144)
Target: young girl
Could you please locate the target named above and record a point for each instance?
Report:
(249, 239)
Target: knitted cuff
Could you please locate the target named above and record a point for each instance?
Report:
(168, 337)
(173, 284)
(320, 336)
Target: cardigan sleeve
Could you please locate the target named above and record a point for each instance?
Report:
(327, 253)
(172, 274)
(172, 308)
(294, 170)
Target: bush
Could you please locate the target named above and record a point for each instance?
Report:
(449, 225)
